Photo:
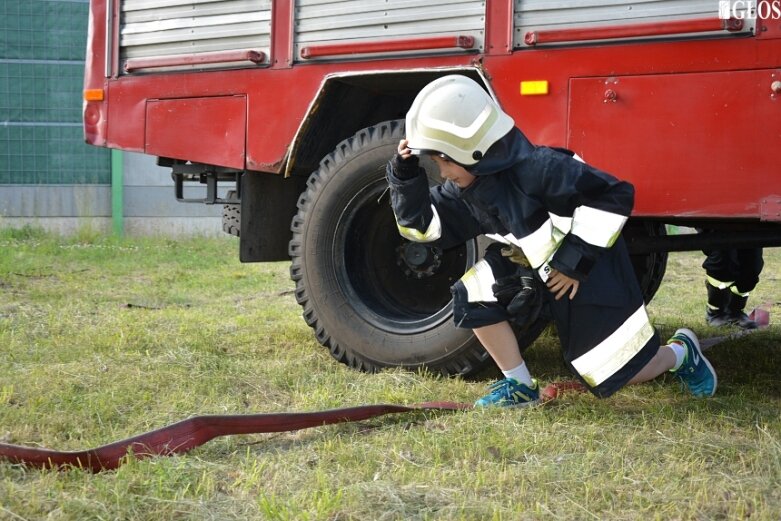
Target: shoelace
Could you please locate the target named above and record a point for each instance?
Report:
(501, 388)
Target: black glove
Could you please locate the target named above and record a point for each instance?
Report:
(520, 295)
(405, 168)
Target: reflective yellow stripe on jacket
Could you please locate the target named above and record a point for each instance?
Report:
(609, 356)
(597, 227)
(540, 245)
(478, 282)
(432, 233)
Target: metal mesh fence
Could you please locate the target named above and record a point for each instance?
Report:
(42, 47)
(43, 29)
(50, 155)
(41, 92)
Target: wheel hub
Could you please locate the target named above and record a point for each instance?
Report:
(418, 260)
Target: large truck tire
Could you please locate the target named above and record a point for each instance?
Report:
(372, 298)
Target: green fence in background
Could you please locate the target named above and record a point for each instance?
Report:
(42, 46)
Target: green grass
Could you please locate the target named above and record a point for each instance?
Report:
(102, 339)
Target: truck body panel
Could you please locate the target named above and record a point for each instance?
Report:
(660, 148)
(206, 121)
(708, 105)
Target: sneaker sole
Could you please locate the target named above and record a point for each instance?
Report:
(522, 405)
(690, 334)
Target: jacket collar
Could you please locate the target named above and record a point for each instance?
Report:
(512, 148)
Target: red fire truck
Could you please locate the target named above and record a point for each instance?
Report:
(298, 104)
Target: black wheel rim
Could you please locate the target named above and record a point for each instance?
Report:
(384, 291)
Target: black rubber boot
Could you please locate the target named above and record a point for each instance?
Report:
(736, 315)
(718, 299)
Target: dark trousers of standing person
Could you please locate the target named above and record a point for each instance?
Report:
(731, 276)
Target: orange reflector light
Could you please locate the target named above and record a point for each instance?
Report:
(93, 94)
(534, 88)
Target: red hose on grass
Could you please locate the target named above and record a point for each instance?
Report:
(193, 432)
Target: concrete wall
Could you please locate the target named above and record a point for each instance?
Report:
(149, 204)
(151, 207)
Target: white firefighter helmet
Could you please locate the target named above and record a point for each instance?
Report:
(455, 116)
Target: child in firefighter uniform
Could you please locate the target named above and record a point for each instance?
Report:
(557, 223)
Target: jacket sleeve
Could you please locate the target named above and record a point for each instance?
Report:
(598, 203)
(430, 215)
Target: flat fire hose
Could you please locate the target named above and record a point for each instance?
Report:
(193, 432)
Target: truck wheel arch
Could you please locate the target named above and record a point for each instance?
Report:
(347, 103)
(344, 104)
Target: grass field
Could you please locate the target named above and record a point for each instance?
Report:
(102, 339)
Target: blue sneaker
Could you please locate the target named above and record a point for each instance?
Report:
(695, 371)
(510, 393)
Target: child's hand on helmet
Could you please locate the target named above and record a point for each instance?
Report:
(403, 150)
(405, 164)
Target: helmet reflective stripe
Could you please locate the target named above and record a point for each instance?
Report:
(455, 116)
(471, 134)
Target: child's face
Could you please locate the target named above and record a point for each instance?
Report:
(453, 171)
